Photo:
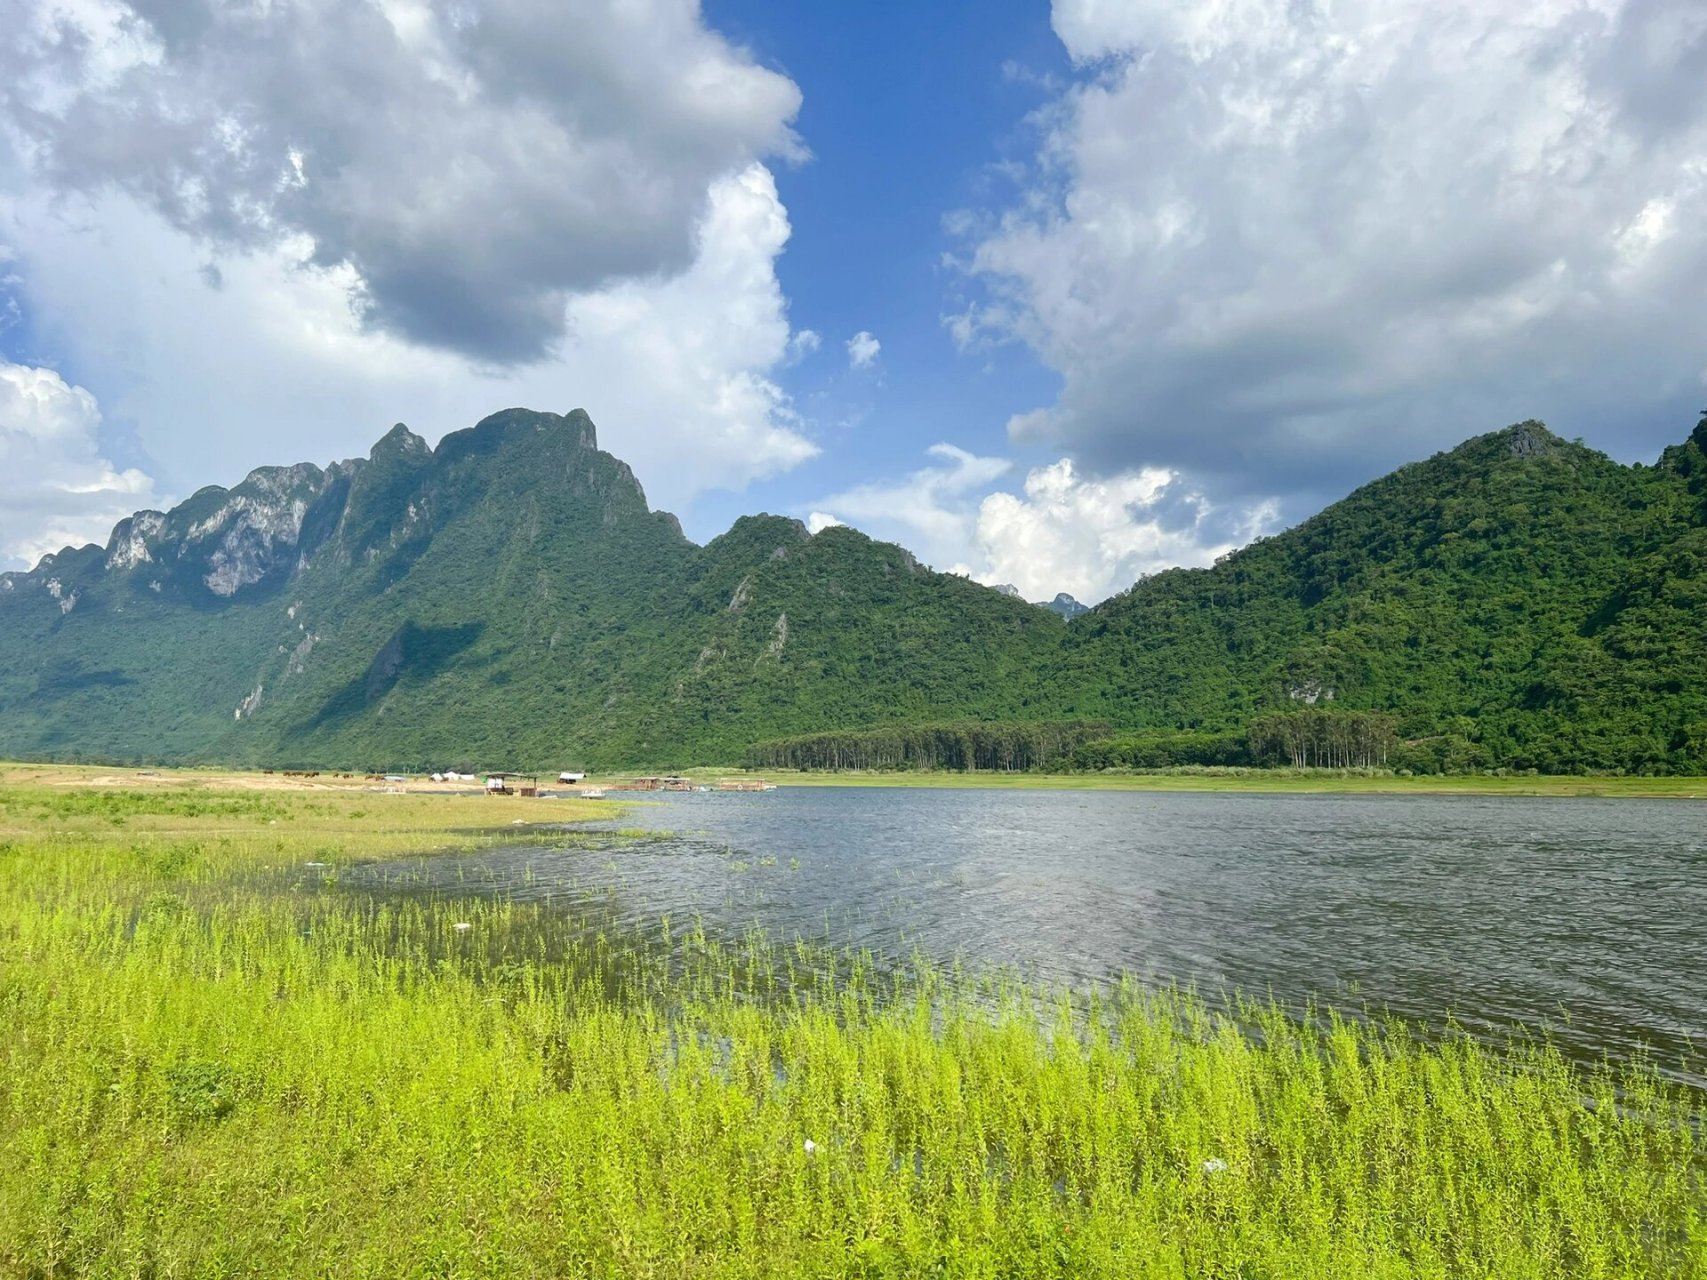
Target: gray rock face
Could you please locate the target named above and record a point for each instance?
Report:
(1310, 692)
(275, 523)
(1066, 606)
(133, 538)
(257, 535)
(1525, 442)
(249, 705)
(267, 501)
(298, 661)
(779, 638)
(399, 440)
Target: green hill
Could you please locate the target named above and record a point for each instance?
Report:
(1521, 601)
(509, 598)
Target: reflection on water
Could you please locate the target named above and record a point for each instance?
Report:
(1587, 915)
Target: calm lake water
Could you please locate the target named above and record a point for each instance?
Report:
(1587, 915)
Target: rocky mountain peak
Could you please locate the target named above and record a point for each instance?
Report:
(581, 424)
(1529, 440)
(1062, 604)
(399, 441)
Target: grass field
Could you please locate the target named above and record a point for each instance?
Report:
(216, 1062)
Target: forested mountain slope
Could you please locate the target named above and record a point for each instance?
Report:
(1520, 600)
(509, 598)
(505, 597)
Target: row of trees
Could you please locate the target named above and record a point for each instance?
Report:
(1162, 749)
(957, 744)
(1302, 738)
(1317, 738)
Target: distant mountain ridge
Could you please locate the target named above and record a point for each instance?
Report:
(509, 597)
(1062, 604)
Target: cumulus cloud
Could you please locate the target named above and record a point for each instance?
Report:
(56, 487)
(1063, 531)
(929, 511)
(862, 350)
(818, 521)
(462, 171)
(676, 370)
(1282, 247)
(684, 365)
(1094, 537)
(802, 344)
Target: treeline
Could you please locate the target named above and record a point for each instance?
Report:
(1305, 738)
(1297, 738)
(957, 744)
(1162, 749)
(1319, 738)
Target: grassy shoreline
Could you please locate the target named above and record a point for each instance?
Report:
(217, 1063)
(1315, 782)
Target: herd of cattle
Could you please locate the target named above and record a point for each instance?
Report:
(315, 773)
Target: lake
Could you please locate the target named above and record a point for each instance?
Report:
(1588, 915)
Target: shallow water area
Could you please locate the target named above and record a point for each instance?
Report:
(1584, 916)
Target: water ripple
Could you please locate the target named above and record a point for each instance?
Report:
(1588, 916)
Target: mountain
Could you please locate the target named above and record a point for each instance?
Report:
(509, 597)
(1063, 604)
(1520, 601)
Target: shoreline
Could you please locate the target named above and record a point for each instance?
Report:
(1672, 788)
(1256, 783)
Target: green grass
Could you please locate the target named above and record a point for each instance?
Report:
(213, 1066)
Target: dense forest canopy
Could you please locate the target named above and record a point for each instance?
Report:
(509, 598)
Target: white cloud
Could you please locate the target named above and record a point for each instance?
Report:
(929, 511)
(862, 350)
(1094, 537)
(802, 344)
(684, 365)
(1090, 537)
(56, 487)
(468, 167)
(1282, 247)
(272, 367)
(818, 521)
(264, 233)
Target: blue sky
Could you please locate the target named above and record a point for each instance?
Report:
(1136, 282)
(909, 115)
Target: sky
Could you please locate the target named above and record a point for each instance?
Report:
(1054, 295)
